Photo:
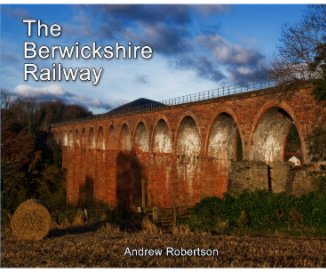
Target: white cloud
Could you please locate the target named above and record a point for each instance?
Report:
(245, 71)
(211, 9)
(30, 91)
(227, 52)
(242, 64)
(56, 92)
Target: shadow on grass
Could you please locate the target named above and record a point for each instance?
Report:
(125, 219)
(76, 229)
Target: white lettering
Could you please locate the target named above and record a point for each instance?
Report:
(28, 71)
(29, 47)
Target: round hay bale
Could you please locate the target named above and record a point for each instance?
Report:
(31, 221)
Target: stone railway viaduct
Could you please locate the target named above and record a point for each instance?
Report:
(177, 155)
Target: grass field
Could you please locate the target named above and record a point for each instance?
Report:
(105, 247)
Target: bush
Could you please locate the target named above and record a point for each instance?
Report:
(260, 211)
(321, 183)
(206, 214)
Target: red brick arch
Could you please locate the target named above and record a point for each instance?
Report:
(183, 117)
(65, 138)
(77, 138)
(142, 121)
(233, 115)
(100, 139)
(157, 119)
(91, 138)
(58, 136)
(83, 138)
(71, 138)
(125, 124)
(164, 119)
(287, 109)
(111, 137)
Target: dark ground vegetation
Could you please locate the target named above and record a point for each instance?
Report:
(105, 247)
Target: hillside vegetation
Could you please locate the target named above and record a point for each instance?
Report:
(30, 158)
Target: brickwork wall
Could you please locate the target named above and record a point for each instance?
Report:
(180, 151)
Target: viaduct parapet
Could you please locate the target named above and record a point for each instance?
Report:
(180, 154)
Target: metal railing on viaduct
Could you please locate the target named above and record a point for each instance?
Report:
(186, 99)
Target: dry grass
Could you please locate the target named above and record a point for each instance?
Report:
(108, 229)
(105, 247)
(148, 227)
(79, 219)
(182, 230)
(31, 221)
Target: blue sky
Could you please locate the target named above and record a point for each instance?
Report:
(196, 47)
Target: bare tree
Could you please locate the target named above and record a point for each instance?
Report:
(7, 99)
(300, 47)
